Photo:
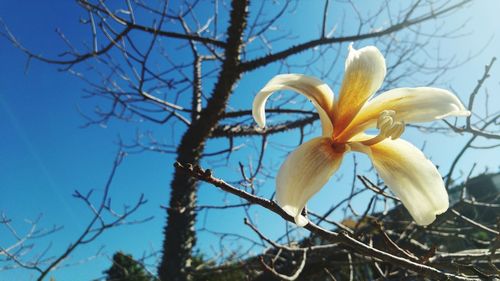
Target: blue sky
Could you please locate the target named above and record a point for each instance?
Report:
(45, 154)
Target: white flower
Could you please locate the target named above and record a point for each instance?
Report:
(402, 166)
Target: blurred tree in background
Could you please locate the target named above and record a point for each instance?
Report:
(125, 268)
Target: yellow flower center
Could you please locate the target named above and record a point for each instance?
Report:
(388, 128)
(340, 147)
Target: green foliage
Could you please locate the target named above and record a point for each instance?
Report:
(125, 268)
(208, 271)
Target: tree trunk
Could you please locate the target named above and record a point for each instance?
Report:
(179, 231)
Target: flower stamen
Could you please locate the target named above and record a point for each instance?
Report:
(388, 128)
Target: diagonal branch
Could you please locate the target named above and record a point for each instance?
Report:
(245, 130)
(405, 23)
(334, 237)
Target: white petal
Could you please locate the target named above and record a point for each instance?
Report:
(305, 171)
(316, 90)
(423, 104)
(412, 177)
(365, 71)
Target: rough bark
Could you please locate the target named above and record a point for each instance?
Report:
(179, 230)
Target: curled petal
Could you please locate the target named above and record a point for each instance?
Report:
(412, 177)
(316, 90)
(423, 104)
(305, 171)
(364, 73)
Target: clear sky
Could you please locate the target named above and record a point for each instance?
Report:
(45, 154)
